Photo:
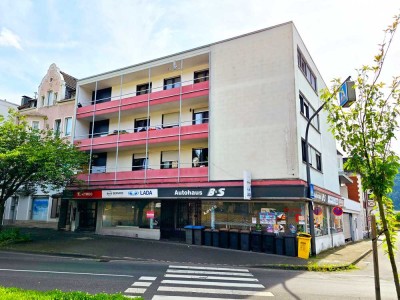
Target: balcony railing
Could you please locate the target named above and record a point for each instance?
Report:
(187, 90)
(122, 176)
(131, 137)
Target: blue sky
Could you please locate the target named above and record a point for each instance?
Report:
(93, 36)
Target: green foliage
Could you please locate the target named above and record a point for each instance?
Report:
(398, 217)
(11, 236)
(19, 294)
(391, 223)
(395, 194)
(31, 158)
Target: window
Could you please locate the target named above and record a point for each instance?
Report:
(201, 76)
(99, 162)
(142, 89)
(142, 125)
(50, 98)
(100, 128)
(320, 220)
(35, 125)
(305, 68)
(336, 222)
(68, 126)
(42, 102)
(139, 162)
(200, 116)
(55, 208)
(314, 156)
(170, 120)
(100, 96)
(171, 83)
(169, 159)
(57, 127)
(55, 97)
(200, 157)
(307, 111)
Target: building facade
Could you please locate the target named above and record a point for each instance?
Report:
(212, 136)
(54, 108)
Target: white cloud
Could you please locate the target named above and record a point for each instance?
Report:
(9, 39)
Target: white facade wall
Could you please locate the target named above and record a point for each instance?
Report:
(5, 106)
(252, 116)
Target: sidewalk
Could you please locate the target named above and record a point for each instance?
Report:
(49, 241)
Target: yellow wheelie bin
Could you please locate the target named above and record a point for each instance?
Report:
(304, 245)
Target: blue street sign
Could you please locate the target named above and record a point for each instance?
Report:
(311, 191)
(347, 94)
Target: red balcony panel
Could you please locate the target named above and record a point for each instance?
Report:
(134, 102)
(199, 131)
(183, 175)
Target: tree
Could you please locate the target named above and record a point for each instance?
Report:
(31, 158)
(365, 131)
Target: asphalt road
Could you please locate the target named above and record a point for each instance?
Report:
(160, 281)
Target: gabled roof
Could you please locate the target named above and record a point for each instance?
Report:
(70, 81)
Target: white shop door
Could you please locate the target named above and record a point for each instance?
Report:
(347, 226)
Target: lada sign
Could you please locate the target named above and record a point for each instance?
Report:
(137, 193)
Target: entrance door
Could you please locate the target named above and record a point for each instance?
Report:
(347, 227)
(87, 215)
(39, 209)
(176, 214)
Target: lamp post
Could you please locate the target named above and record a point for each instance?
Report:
(311, 204)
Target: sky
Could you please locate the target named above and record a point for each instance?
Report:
(89, 37)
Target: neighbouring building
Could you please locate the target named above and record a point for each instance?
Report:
(5, 106)
(212, 136)
(355, 215)
(54, 107)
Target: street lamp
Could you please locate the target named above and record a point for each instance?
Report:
(311, 205)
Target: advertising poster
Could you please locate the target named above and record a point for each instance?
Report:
(270, 228)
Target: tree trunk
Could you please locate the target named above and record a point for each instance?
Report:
(2, 203)
(389, 245)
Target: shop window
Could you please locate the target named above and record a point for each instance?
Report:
(170, 120)
(131, 213)
(142, 124)
(142, 89)
(200, 116)
(320, 220)
(201, 76)
(200, 157)
(171, 83)
(139, 162)
(100, 96)
(336, 222)
(169, 159)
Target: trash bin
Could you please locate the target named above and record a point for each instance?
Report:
(234, 239)
(290, 245)
(268, 242)
(189, 234)
(215, 237)
(208, 237)
(245, 240)
(304, 245)
(279, 245)
(198, 235)
(224, 238)
(256, 242)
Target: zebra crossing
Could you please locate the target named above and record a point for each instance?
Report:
(192, 283)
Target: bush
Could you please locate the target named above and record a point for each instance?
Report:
(398, 217)
(19, 294)
(13, 235)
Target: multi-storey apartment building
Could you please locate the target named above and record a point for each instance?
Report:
(54, 107)
(212, 136)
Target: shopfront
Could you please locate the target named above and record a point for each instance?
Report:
(163, 213)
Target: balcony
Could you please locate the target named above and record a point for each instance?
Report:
(148, 176)
(153, 136)
(159, 97)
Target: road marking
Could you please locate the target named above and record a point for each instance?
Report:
(209, 272)
(214, 291)
(209, 268)
(147, 278)
(135, 291)
(72, 273)
(210, 277)
(158, 297)
(232, 284)
(143, 283)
